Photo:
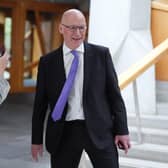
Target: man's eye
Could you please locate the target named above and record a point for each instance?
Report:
(81, 28)
(73, 27)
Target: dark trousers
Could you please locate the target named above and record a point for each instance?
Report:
(76, 139)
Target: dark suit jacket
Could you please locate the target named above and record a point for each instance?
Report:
(103, 105)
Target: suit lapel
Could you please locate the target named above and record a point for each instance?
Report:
(87, 66)
(59, 64)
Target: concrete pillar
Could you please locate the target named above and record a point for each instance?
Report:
(124, 27)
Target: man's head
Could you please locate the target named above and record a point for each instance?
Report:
(73, 28)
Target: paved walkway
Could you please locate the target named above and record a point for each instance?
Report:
(15, 130)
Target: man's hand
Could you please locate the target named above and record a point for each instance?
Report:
(36, 150)
(123, 142)
(3, 62)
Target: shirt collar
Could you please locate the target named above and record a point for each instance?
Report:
(67, 50)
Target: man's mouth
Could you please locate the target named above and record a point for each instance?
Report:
(76, 39)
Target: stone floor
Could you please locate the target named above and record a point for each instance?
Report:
(15, 130)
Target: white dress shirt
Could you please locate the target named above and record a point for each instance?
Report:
(75, 103)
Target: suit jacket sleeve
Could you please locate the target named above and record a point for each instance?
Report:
(40, 105)
(115, 99)
(4, 89)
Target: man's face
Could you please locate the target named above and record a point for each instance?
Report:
(73, 29)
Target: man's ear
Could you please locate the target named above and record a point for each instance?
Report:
(60, 29)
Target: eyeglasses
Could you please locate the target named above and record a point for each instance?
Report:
(74, 28)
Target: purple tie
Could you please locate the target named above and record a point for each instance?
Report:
(59, 107)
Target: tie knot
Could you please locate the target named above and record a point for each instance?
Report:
(74, 52)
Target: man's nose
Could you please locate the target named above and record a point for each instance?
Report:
(77, 31)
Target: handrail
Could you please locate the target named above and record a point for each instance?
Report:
(131, 74)
(160, 4)
(141, 66)
(30, 66)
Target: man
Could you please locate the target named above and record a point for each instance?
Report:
(94, 118)
(4, 85)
